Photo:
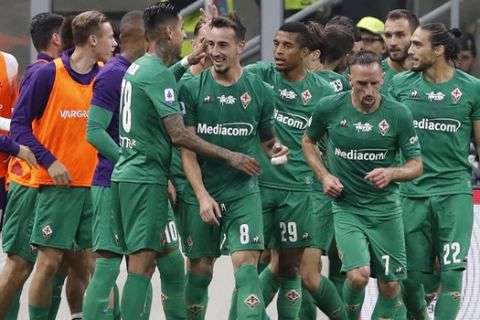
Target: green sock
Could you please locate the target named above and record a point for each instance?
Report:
(308, 309)
(232, 314)
(13, 310)
(172, 276)
(414, 295)
(327, 299)
(148, 302)
(95, 301)
(250, 304)
(431, 283)
(289, 298)
(57, 287)
(117, 314)
(401, 313)
(196, 295)
(269, 284)
(38, 313)
(133, 297)
(353, 301)
(386, 307)
(334, 273)
(448, 302)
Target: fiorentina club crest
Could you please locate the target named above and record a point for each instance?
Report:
(245, 98)
(383, 125)
(195, 308)
(47, 232)
(306, 96)
(252, 301)
(293, 296)
(456, 95)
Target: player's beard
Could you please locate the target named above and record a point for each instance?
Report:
(401, 58)
(420, 66)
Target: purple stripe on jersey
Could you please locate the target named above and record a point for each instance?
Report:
(106, 94)
(33, 101)
(9, 146)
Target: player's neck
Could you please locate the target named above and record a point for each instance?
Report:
(53, 52)
(439, 72)
(331, 65)
(316, 66)
(162, 51)
(295, 75)
(82, 60)
(399, 66)
(230, 77)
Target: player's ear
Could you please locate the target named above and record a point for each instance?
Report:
(169, 31)
(241, 46)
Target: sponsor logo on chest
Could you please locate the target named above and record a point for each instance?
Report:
(435, 96)
(438, 124)
(291, 119)
(223, 99)
(363, 127)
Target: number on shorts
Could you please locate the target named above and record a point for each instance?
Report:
(386, 258)
(453, 249)
(125, 104)
(244, 234)
(288, 229)
(171, 232)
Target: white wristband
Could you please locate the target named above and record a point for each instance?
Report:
(184, 62)
(279, 160)
(5, 124)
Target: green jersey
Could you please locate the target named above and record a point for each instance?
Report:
(358, 143)
(337, 81)
(229, 117)
(443, 116)
(387, 78)
(148, 95)
(294, 103)
(177, 176)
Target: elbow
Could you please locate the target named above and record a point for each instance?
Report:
(177, 137)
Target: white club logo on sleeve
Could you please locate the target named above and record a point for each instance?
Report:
(169, 96)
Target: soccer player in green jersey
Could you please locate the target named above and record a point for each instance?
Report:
(226, 106)
(365, 132)
(399, 27)
(286, 190)
(437, 207)
(150, 121)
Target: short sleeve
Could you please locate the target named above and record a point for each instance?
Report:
(407, 137)
(266, 120)
(189, 103)
(475, 114)
(162, 93)
(318, 125)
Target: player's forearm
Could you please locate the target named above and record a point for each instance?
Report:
(98, 121)
(314, 158)
(267, 147)
(193, 173)
(412, 169)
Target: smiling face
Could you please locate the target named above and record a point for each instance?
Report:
(223, 48)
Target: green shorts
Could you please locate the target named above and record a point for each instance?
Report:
(241, 225)
(438, 226)
(322, 219)
(287, 218)
(63, 218)
(141, 210)
(377, 242)
(105, 229)
(18, 224)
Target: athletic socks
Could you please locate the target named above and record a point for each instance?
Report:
(327, 299)
(38, 313)
(172, 276)
(250, 303)
(308, 309)
(386, 307)
(353, 301)
(133, 297)
(269, 283)
(147, 308)
(196, 295)
(448, 302)
(431, 283)
(232, 313)
(262, 266)
(289, 298)
(13, 311)
(414, 295)
(335, 273)
(95, 301)
(57, 287)
(117, 315)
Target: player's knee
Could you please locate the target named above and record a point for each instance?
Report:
(202, 265)
(358, 278)
(48, 268)
(389, 288)
(288, 269)
(17, 270)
